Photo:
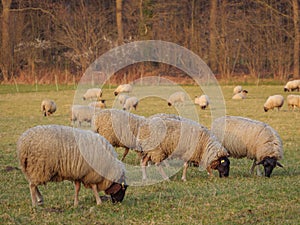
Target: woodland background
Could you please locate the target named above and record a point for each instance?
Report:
(56, 40)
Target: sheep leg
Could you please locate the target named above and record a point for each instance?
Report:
(253, 166)
(94, 188)
(33, 193)
(144, 162)
(125, 154)
(40, 199)
(185, 166)
(162, 172)
(77, 189)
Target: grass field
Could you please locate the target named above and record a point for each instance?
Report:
(240, 199)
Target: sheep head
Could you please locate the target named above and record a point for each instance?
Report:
(222, 165)
(117, 191)
(269, 164)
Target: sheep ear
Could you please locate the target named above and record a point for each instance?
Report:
(279, 164)
(214, 164)
(114, 188)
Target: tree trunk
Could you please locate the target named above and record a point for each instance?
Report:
(297, 38)
(6, 52)
(213, 36)
(119, 21)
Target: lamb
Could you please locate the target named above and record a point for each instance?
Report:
(237, 89)
(123, 88)
(274, 101)
(161, 137)
(119, 127)
(293, 101)
(48, 107)
(98, 104)
(82, 113)
(93, 93)
(253, 139)
(241, 95)
(131, 103)
(53, 153)
(202, 101)
(292, 86)
(177, 97)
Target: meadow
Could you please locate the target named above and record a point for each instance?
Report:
(239, 199)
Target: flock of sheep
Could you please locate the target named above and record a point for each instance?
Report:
(56, 153)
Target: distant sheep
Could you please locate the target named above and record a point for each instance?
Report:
(177, 97)
(92, 93)
(241, 95)
(162, 137)
(131, 103)
(274, 101)
(54, 153)
(202, 101)
(243, 137)
(237, 89)
(119, 127)
(123, 88)
(98, 104)
(82, 113)
(122, 98)
(48, 107)
(292, 86)
(293, 101)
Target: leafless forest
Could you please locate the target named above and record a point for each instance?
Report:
(41, 40)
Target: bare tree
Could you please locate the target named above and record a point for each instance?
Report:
(119, 9)
(297, 37)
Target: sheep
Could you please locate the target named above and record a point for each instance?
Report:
(177, 97)
(274, 101)
(123, 88)
(202, 101)
(53, 153)
(131, 103)
(293, 101)
(48, 107)
(82, 113)
(241, 95)
(119, 127)
(292, 86)
(249, 138)
(237, 89)
(92, 93)
(161, 137)
(122, 98)
(98, 104)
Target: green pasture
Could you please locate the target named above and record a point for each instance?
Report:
(240, 199)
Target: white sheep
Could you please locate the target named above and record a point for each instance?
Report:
(244, 137)
(122, 98)
(293, 101)
(93, 93)
(131, 103)
(292, 86)
(202, 101)
(48, 107)
(237, 89)
(161, 137)
(274, 101)
(82, 113)
(241, 95)
(98, 104)
(123, 88)
(54, 153)
(177, 97)
(119, 127)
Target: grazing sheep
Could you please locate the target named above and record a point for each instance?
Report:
(237, 89)
(48, 107)
(160, 138)
(253, 139)
(54, 153)
(241, 95)
(177, 97)
(202, 101)
(293, 101)
(119, 127)
(131, 103)
(123, 88)
(82, 113)
(98, 104)
(274, 101)
(122, 99)
(292, 86)
(92, 93)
